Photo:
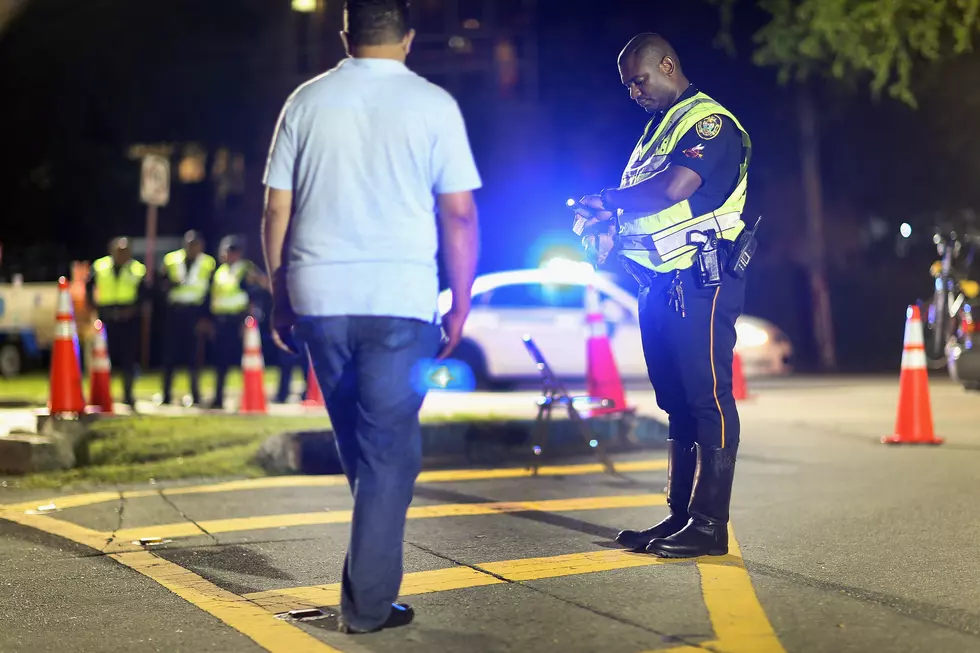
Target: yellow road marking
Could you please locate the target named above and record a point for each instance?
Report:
(737, 617)
(451, 578)
(61, 528)
(739, 622)
(241, 614)
(438, 476)
(70, 501)
(187, 529)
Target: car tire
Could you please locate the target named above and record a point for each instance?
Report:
(469, 353)
(11, 360)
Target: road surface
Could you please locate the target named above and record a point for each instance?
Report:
(843, 545)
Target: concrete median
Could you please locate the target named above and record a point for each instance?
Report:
(477, 443)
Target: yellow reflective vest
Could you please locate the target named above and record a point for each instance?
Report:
(190, 284)
(658, 241)
(227, 295)
(120, 289)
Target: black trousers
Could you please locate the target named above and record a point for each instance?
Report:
(181, 347)
(287, 364)
(123, 341)
(227, 349)
(689, 359)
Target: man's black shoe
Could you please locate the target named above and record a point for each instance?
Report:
(401, 615)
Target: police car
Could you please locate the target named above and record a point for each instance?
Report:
(548, 303)
(27, 320)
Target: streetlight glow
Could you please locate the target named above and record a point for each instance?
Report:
(905, 230)
(304, 6)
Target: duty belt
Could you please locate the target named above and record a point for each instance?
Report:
(114, 312)
(645, 276)
(670, 243)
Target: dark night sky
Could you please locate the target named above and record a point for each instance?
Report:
(79, 82)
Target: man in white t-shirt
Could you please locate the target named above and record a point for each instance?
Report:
(362, 158)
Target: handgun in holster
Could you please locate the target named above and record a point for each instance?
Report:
(707, 264)
(742, 250)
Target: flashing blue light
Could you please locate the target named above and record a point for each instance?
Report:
(593, 443)
(447, 375)
(570, 202)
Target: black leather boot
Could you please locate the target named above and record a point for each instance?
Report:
(707, 531)
(681, 461)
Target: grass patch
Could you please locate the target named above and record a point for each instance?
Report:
(234, 461)
(133, 440)
(140, 448)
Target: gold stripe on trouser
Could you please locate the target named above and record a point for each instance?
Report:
(714, 376)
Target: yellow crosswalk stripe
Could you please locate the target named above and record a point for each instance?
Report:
(187, 529)
(451, 578)
(275, 482)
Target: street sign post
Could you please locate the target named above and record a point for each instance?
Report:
(154, 192)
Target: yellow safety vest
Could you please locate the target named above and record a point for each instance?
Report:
(227, 294)
(658, 241)
(117, 290)
(190, 284)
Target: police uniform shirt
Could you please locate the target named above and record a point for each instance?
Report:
(712, 149)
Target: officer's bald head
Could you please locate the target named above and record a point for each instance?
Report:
(650, 68)
(119, 249)
(650, 46)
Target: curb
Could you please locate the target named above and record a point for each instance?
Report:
(474, 444)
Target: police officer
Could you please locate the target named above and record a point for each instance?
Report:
(186, 279)
(229, 306)
(675, 223)
(116, 289)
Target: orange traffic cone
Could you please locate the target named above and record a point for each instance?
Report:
(99, 382)
(914, 422)
(601, 376)
(740, 389)
(253, 371)
(66, 371)
(313, 395)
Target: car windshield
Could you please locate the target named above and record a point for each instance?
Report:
(533, 295)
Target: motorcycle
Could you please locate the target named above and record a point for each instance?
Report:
(949, 325)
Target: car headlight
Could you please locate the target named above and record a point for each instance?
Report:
(751, 336)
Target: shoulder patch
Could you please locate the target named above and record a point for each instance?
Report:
(709, 127)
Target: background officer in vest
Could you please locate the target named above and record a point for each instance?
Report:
(186, 279)
(230, 304)
(116, 289)
(684, 183)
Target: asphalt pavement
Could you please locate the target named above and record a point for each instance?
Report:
(843, 545)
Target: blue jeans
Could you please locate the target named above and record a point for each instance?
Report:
(365, 367)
